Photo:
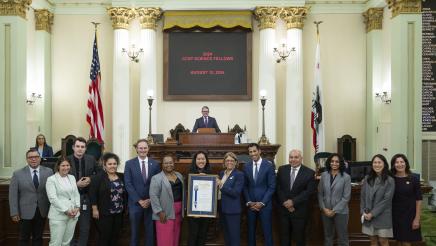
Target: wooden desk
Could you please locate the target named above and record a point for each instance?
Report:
(206, 138)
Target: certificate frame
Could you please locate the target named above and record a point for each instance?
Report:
(209, 184)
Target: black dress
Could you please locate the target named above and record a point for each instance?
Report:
(407, 192)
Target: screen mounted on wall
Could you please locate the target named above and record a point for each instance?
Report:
(207, 65)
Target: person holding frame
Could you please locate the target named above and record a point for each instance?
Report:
(198, 226)
(230, 185)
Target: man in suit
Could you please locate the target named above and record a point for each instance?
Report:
(205, 121)
(28, 200)
(83, 166)
(260, 184)
(137, 176)
(295, 185)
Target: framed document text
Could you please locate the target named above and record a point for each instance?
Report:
(202, 195)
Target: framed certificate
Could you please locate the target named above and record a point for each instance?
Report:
(202, 195)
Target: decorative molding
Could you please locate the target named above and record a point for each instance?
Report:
(14, 7)
(336, 8)
(267, 16)
(121, 17)
(294, 16)
(404, 7)
(43, 20)
(148, 17)
(373, 19)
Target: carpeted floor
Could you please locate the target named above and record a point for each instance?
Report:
(428, 230)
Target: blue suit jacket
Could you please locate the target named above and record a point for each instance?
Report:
(231, 192)
(136, 189)
(265, 185)
(47, 151)
(211, 123)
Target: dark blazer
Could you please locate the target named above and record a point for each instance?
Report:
(100, 192)
(24, 197)
(231, 192)
(378, 200)
(304, 186)
(134, 183)
(91, 167)
(265, 185)
(211, 123)
(47, 151)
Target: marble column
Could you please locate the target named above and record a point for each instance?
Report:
(267, 17)
(43, 23)
(148, 81)
(13, 76)
(406, 79)
(294, 110)
(121, 99)
(373, 19)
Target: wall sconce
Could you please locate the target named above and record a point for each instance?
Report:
(283, 52)
(133, 53)
(33, 98)
(383, 97)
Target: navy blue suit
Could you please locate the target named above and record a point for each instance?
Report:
(137, 190)
(47, 151)
(211, 123)
(260, 190)
(231, 207)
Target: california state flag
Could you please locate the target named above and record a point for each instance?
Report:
(317, 118)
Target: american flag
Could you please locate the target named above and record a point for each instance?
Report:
(95, 108)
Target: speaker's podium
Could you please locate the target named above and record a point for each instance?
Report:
(206, 136)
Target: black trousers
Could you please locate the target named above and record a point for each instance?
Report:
(34, 228)
(109, 228)
(197, 232)
(292, 228)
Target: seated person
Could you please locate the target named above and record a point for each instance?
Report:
(205, 121)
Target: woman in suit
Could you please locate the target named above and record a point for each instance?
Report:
(230, 184)
(43, 148)
(198, 227)
(64, 200)
(406, 204)
(376, 202)
(334, 191)
(108, 198)
(167, 201)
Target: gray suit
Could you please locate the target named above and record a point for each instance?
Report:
(377, 199)
(335, 196)
(161, 196)
(29, 203)
(24, 198)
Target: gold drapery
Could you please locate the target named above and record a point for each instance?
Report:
(207, 19)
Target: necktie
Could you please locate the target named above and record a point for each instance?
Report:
(144, 172)
(256, 171)
(35, 179)
(205, 121)
(293, 176)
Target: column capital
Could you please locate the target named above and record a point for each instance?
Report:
(14, 7)
(404, 6)
(267, 16)
(294, 16)
(373, 19)
(148, 17)
(121, 16)
(43, 20)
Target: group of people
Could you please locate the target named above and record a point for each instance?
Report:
(154, 195)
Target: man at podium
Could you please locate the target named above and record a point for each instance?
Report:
(205, 121)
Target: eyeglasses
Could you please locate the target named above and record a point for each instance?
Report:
(33, 157)
(205, 111)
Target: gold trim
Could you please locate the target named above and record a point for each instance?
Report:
(121, 17)
(404, 7)
(43, 20)
(207, 19)
(267, 16)
(373, 19)
(148, 17)
(14, 7)
(294, 16)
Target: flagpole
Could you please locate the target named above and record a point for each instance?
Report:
(317, 23)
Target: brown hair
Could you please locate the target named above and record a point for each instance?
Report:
(233, 156)
(59, 162)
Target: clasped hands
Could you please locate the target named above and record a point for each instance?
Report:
(83, 182)
(289, 205)
(328, 212)
(72, 212)
(144, 203)
(255, 206)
